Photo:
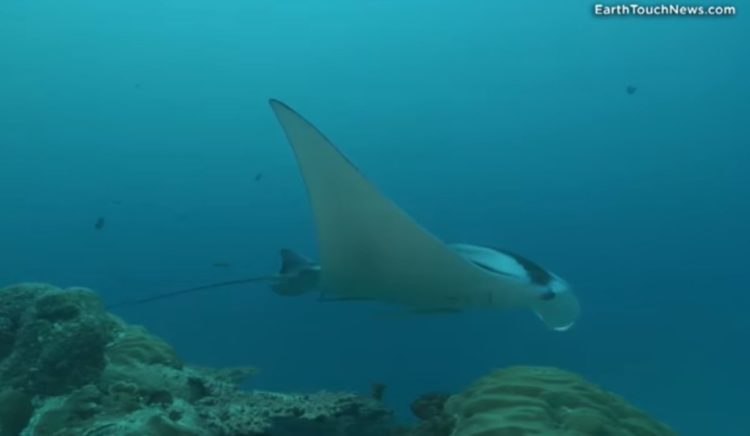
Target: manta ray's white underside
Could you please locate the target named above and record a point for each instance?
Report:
(371, 249)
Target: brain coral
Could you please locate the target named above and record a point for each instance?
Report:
(526, 401)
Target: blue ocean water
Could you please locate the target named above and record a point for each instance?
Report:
(495, 123)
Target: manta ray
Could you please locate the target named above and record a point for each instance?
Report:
(372, 250)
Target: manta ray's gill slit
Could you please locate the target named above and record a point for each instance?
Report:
(537, 274)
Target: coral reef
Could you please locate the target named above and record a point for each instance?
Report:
(69, 368)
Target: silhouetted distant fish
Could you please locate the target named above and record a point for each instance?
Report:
(258, 177)
(99, 223)
(377, 391)
(630, 89)
(221, 264)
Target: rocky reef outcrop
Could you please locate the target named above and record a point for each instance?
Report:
(69, 368)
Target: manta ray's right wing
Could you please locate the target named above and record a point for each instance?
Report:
(370, 248)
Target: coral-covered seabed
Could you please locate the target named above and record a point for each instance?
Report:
(69, 368)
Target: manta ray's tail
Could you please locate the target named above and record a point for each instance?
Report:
(297, 276)
(560, 310)
(173, 294)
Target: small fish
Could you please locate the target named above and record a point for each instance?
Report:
(258, 177)
(221, 264)
(99, 223)
(630, 89)
(377, 391)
